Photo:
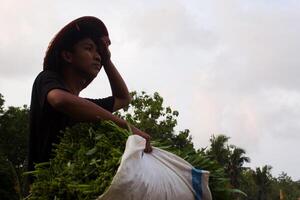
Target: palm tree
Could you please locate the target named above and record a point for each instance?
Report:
(218, 149)
(262, 178)
(232, 159)
(235, 167)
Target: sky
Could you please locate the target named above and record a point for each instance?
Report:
(229, 67)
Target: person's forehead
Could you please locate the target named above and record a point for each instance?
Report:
(94, 42)
(89, 41)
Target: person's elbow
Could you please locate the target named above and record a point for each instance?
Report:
(127, 100)
(121, 103)
(56, 98)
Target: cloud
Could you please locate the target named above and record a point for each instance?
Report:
(251, 91)
(23, 38)
(259, 42)
(227, 67)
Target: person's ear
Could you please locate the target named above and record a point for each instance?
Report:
(67, 56)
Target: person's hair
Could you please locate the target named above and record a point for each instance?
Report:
(56, 61)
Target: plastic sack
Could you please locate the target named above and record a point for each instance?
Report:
(159, 175)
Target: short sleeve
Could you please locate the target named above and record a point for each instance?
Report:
(107, 103)
(46, 81)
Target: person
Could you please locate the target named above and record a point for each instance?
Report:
(72, 61)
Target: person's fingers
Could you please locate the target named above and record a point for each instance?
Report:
(106, 40)
(148, 148)
(103, 44)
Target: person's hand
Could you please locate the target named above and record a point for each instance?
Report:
(105, 53)
(148, 147)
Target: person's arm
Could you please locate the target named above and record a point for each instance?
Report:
(117, 84)
(83, 110)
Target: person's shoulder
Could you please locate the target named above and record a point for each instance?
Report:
(47, 74)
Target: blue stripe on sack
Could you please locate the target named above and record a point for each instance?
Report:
(197, 183)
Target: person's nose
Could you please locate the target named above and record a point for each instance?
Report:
(97, 56)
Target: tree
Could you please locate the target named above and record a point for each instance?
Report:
(14, 129)
(232, 158)
(235, 164)
(289, 188)
(13, 138)
(14, 132)
(219, 149)
(147, 113)
(248, 185)
(263, 179)
(1, 103)
(260, 184)
(8, 185)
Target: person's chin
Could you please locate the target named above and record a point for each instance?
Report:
(93, 73)
(90, 74)
(96, 71)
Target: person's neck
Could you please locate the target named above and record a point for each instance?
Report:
(73, 80)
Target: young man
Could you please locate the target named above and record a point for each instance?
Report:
(73, 59)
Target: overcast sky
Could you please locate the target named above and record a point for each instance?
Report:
(229, 67)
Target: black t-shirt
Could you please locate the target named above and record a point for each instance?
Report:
(46, 122)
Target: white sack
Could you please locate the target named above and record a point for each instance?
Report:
(159, 175)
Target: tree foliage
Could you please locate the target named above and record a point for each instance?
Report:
(84, 162)
(13, 146)
(78, 176)
(8, 181)
(150, 115)
(231, 157)
(259, 184)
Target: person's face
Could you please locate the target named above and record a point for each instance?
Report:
(86, 58)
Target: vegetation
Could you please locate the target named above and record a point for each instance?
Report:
(86, 160)
(74, 172)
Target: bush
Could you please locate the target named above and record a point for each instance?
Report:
(85, 162)
(87, 158)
